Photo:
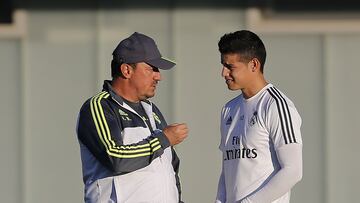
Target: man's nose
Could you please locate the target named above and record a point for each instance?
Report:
(224, 72)
(157, 76)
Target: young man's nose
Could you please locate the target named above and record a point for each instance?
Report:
(224, 72)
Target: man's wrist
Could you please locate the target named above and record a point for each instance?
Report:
(164, 141)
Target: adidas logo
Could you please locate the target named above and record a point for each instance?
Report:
(122, 113)
(156, 117)
(229, 120)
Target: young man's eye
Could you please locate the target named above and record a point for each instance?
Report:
(228, 66)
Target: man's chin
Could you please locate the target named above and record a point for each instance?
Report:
(150, 95)
(232, 88)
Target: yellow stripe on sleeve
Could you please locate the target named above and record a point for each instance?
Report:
(105, 134)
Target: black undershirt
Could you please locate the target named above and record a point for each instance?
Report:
(140, 110)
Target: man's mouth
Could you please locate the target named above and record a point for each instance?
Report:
(228, 80)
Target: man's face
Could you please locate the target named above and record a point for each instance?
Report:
(145, 79)
(237, 74)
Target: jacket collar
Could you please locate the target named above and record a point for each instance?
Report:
(145, 103)
(107, 87)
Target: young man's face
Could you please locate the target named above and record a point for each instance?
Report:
(145, 79)
(237, 74)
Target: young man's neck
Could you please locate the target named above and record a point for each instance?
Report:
(254, 87)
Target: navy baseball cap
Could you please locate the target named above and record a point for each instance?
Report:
(140, 48)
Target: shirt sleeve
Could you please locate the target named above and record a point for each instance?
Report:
(290, 160)
(99, 130)
(283, 122)
(221, 193)
(221, 189)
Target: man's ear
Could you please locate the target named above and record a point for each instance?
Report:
(126, 70)
(254, 64)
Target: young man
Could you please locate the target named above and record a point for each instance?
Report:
(125, 143)
(260, 129)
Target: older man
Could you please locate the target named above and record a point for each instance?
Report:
(125, 142)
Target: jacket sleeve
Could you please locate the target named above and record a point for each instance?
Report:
(99, 130)
(176, 163)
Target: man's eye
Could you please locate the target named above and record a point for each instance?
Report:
(227, 66)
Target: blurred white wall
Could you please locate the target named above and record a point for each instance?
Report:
(10, 121)
(47, 73)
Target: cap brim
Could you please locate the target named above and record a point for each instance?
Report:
(162, 63)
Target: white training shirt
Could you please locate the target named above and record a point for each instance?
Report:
(252, 133)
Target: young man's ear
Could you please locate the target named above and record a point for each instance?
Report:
(126, 70)
(254, 64)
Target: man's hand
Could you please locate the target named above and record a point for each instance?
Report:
(176, 133)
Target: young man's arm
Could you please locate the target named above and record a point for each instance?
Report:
(290, 159)
(283, 124)
(221, 193)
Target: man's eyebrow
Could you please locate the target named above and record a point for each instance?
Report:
(150, 66)
(227, 65)
(155, 69)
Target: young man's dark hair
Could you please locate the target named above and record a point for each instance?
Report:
(245, 43)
